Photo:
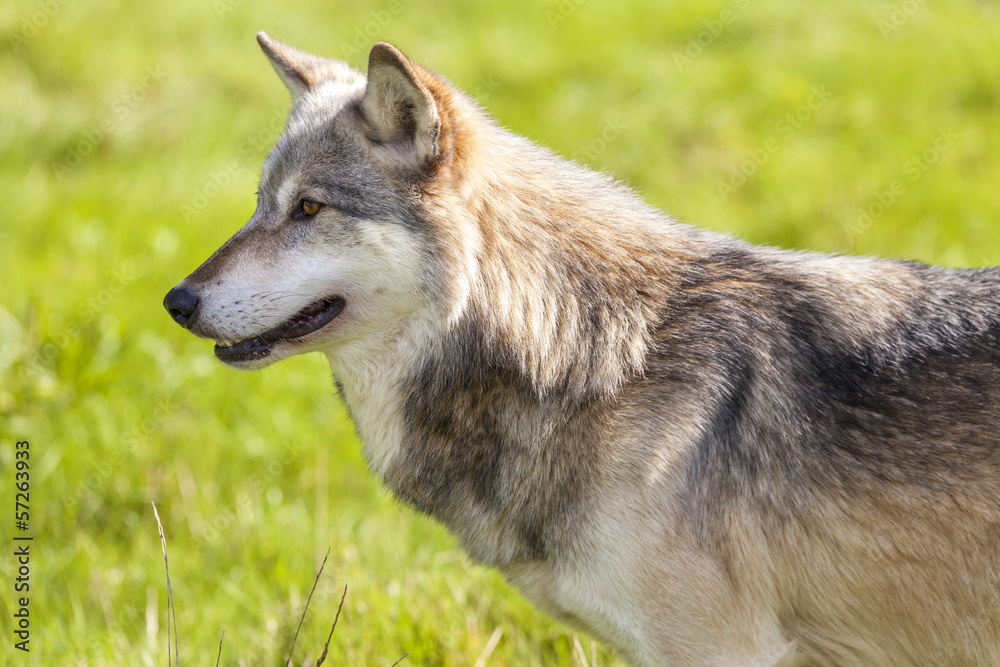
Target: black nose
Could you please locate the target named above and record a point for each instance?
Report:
(181, 303)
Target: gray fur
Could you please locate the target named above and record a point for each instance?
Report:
(702, 451)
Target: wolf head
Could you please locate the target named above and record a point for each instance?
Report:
(336, 252)
(396, 222)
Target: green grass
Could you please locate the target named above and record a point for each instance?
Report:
(257, 475)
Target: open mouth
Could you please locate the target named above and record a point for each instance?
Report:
(306, 321)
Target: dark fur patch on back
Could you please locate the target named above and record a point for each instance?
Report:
(917, 406)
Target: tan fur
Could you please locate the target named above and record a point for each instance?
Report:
(700, 451)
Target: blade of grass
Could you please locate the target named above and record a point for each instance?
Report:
(306, 608)
(219, 657)
(171, 610)
(330, 636)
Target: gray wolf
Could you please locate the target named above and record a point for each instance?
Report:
(700, 451)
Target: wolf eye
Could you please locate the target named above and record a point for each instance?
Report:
(307, 209)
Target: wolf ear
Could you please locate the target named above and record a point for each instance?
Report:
(400, 112)
(301, 71)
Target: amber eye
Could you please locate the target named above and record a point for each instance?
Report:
(307, 209)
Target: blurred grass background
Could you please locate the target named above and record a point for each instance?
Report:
(131, 136)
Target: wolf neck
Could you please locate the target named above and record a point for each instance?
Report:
(569, 268)
(496, 429)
